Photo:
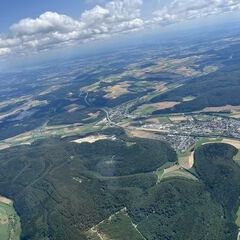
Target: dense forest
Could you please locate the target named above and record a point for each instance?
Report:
(62, 189)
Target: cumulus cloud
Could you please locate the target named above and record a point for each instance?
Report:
(4, 51)
(47, 22)
(51, 29)
(180, 10)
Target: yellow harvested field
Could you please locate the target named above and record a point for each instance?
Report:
(117, 90)
(141, 134)
(5, 200)
(236, 115)
(222, 109)
(178, 118)
(159, 106)
(235, 143)
(187, 161)
(232, 142)
(164, 105)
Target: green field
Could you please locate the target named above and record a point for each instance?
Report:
(10, 228)
(238, 218)
(160, 171)
(164, 119)
(145, 110)
(118, 227)
(237, 157)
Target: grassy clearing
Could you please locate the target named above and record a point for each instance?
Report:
(182, 173)
(173, 170)
(10, 228)
(4, 231)
(238, 218)
(164, 119)
(237, 157)
(160, 171)
(118, 227)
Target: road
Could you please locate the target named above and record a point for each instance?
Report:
(110, 122)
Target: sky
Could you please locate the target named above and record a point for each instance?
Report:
(31, 27)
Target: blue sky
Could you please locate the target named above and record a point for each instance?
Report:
(37, 26)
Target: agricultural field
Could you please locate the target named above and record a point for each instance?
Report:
(10, 227)
(140, 146)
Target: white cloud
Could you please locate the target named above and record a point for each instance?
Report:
(4, 51)
(47, 22)
(180, 10)
(51, 30)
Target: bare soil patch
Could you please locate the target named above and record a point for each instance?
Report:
(117, 90)
(92, 139)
